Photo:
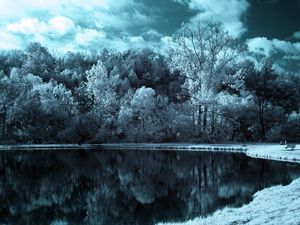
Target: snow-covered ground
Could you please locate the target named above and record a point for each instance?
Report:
(274, 152)
(271, 206)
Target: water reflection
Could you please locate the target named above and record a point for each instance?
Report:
(128, 187)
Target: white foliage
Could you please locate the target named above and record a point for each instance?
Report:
(56, 98)
(294, 116)
(144, 99)
(100, 86)
(202, 55)
(59, 222)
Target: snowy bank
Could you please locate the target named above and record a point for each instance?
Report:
(274, 205)
(273, 152)
(263, 151)
(177, 147)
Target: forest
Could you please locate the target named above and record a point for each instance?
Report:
(204, 87)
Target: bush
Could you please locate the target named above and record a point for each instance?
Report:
(291, 130)
(275, 134)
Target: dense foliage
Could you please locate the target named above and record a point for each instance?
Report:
(203, 89)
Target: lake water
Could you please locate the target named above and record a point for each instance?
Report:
(118, 187)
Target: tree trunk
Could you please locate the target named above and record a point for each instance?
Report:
(194, 120)
(262, 121)
(213, 122)
(199, 115)
(205, 118)
(3, 116)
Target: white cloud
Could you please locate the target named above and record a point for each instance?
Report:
(228, 12)
(284, 54)
(61, 24)
(108, 11)
(286, 46)
(9, 41)
(86, 36)
(266, 47)
(296, 35)
(260, 45)
(154, 33)
(136, 39)
(19, 8)
(49, 33)
(58, 25)
(28, 26)
(121, 20)
(128, 41)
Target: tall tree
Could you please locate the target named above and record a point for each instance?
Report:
(260, 82)
(58, 107)
(38, 61)
(203, 53)
(101, 90)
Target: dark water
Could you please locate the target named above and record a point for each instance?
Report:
(128, 187)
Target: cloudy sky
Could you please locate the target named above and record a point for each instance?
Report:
(269, 27)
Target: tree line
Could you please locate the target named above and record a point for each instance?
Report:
(203, 88)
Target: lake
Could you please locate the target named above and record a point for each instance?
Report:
(124, 187)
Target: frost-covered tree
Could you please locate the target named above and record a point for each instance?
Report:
(15, 96)
(12, 87)
(56, 99)
(57, 105)
(7, 96)
(11, 59)
(149, 69)
(143, 115)
(143, 106)
(203, 53)
(38, 61)
(203, 91)
(101, 89)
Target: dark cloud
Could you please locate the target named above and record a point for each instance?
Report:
(168, 15)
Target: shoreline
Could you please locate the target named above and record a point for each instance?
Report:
(263, 151)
